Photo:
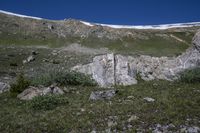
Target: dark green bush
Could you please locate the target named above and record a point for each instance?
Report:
(63, 78)
(190, 76)
(20, 85)
(45, 79)
(74, 78)
(47, 102)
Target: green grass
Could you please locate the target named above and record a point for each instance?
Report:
(175, 102)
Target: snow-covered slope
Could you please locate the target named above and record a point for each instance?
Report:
(14, 14)
(160, 27)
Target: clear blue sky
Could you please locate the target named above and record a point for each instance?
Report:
(134, 12)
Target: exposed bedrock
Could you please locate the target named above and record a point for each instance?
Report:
(108, 70)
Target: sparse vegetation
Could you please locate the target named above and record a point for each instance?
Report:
(190, 76)
(63, 79)
(21, 84)
(175, 103)
(47, 102)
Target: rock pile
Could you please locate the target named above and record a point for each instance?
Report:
(32, 92)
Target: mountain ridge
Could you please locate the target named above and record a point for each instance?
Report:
(159, 26)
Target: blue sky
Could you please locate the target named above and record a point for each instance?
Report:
(129, 12)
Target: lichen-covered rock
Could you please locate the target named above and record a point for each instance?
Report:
(32, 92)
(124, 73)
(103, 70)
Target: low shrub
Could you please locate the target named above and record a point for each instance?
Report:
(190, 76)
(20, 85)
(44, 79)
(75, 78)
(63, 78)
(47, 102)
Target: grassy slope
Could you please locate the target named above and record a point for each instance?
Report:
(175, 103)
(20, 31)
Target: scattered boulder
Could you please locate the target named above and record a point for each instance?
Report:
(4, 87)
(102, 95)
(149, 99)
(32, 92)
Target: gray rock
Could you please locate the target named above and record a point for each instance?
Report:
(124, 74)
(196, 41)
(101, 95)
(29, 59)
(32, 92)
(193, 129)
(102, 70)
(132, 118)
(4, 87)
(149, 99)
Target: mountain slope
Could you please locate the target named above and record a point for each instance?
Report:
(168, 40)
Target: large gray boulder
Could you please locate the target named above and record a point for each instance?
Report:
(101, 69)
(32, 92)
(124, 73)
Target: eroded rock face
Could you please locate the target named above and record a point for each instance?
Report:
(108, 70)
(32, 92)
(124, 73)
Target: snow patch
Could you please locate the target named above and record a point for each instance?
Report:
(87, 23)
(18, 15)
(159, 27)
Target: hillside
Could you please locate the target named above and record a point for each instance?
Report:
(16, 30)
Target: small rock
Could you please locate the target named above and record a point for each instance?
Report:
(132, 118)
(111, 123)
(148, 99)
(29, 59)
(4, 87)
(193, 130)
(130, 97)
(101, 95)
(82, 110)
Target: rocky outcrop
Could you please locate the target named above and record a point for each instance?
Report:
(101, 69)
(108, 70)
(32, 92)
